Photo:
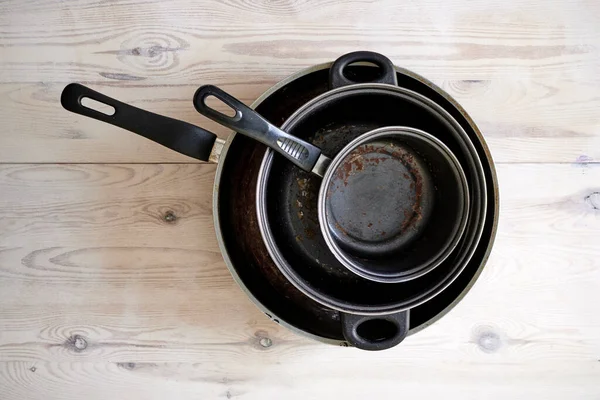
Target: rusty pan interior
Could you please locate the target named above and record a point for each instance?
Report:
(393, 204)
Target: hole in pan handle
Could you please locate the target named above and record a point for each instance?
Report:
(337, 78)
(177, 135)
(378, 332)
(248, 122)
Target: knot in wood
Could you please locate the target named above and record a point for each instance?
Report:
(593, 200)
(170, 217)
(76, 343)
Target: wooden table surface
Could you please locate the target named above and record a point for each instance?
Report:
(101, 298)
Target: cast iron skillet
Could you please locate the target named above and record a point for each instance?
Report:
(235, 218)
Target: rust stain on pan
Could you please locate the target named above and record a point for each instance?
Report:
(364, 158)
(340, 228)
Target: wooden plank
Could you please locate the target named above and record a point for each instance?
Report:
(104, 296)
(527, 76)
(521, 121)
(155, 311)
(68, 204)
(486, 38)
(323, 375)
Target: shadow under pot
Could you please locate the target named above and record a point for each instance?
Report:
(374, 313)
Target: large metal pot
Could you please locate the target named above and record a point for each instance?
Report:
(255, 271)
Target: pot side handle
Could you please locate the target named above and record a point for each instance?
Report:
(177, 135)
(337, 78)
(375, 332)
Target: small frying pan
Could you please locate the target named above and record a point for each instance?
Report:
(377, 201)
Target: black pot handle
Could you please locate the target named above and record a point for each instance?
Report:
(375, 332)
(177, 135)
(248, 122)
(338, 79)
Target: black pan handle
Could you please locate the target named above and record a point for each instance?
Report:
(177, 135)
(375, 332)
(387, 71)
(248, 122)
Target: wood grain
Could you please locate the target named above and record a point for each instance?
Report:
(101, 203)
(521, 121)
(111, 280)
(522, 72)
(87, 307)
(292, 378)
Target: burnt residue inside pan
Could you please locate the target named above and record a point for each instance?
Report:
(376, 194)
